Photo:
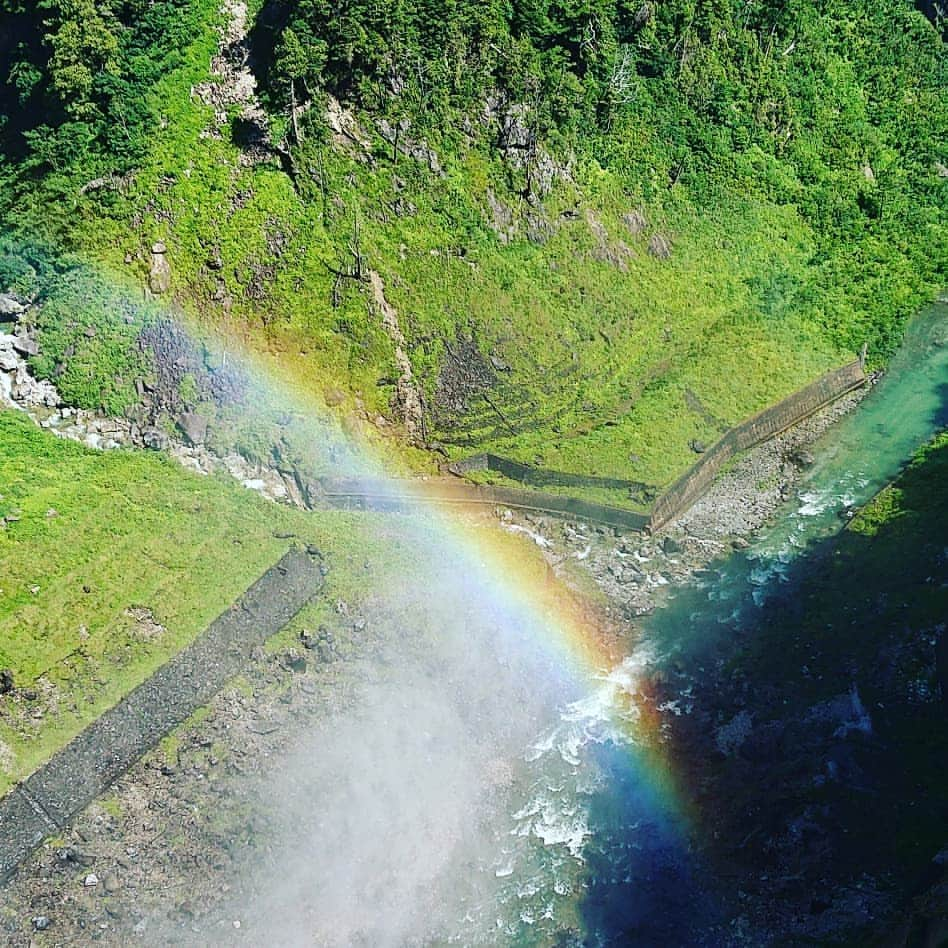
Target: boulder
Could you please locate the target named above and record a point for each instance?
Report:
(660, 247)
(6, 681)
(26, 347)
(10, 307)
(159, 277)
(670, 546)
(194, 427)
(699, 447)
(155, 439)
(635, 221)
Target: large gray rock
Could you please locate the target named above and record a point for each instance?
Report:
(26, 347)
(10, 307)
(194, 427)
(660, 247)
(155, 439)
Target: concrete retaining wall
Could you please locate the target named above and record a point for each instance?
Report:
(44, 803)
(536, 476)
(767, 423)
(368, 494)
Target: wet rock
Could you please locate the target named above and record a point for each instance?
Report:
(802, 458)
(731, 736)
(670, 546)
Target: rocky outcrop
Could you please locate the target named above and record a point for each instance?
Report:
(407, 401)
(10, 307)
(17, 384)
(20, 389)
(234, 86)
(159, 275)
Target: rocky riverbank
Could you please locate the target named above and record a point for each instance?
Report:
(158, 859)
(183, 440)
(636, 570)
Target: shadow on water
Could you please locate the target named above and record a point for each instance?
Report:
(643, 884)
(822, 645)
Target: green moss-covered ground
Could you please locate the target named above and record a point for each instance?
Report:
(93, 537)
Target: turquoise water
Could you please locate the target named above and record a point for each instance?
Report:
(593, 856)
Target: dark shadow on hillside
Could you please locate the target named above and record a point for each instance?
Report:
(811, 743)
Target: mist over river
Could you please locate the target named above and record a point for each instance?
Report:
(489, 759)
(489, 791)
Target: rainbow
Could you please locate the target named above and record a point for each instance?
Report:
(503, 572)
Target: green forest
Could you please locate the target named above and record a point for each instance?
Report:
(608, 229)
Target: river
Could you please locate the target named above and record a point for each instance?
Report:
(596, 850)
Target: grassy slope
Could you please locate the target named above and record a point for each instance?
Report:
(600, 357)
(607, 361)
(130, 529)
(587, 342)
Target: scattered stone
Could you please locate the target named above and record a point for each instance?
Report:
(91, 881)
(40, 923)
(660, 247)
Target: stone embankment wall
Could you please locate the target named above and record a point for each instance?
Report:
(368, 494)
(538, 477)
(44, 803)
(767, 423)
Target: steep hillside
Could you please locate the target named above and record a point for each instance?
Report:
(585, 236)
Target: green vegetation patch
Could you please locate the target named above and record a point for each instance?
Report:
(110, 562)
